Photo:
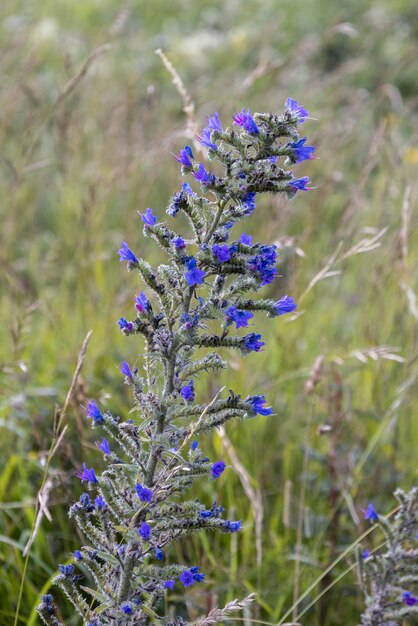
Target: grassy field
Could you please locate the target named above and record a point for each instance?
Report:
(89, 117)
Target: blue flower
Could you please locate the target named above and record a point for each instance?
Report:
(245, 119)
(246, 239)
(217, 469)
(126, 254)
(298, 111)
(409, 599)
(67, 570)
(222, 253)
(299, 184)
(178, 201)
(169, 584)
(100, 502)
(125, 369)
(179, 243)
(187, 189)
(300, 152)
(127, 609)
(365, 554)
(85, 502)
(194, 445)
(188, 391)
(370, 513)
(94, 413)
(241, 318)
(159, 554)
(144, 494)
(188, 321)
(78, 555)
(186, 577)
(104, 446)
(193, 276)
(184, 156)
(145, 531)
(257, 404)
(125, 325)
(263, 264)
(248, 202)
(233, 527)
(87, 475)
(205, 139)
(142, 304)
(204, 177)
(286, 304)
(149, 218)
(214, 123)
(252, 342)
(197, 576)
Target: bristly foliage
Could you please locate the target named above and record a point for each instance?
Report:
(389, 577)
(198, 299)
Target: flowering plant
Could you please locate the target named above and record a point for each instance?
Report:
(199, 299)
(389, 576)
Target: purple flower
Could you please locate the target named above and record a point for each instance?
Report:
(142, 304)
(257, 404)
(299, 184)
(67, 570)
(159, 554)
(127, 609)
(93, 412)
(300, 152)
(203, 176)
(241, 318)
(285, 305)
(298, 111)
(194, 445)
(179, 243)
(205, 139)
(125, 325)
(104, 446)
(186, 577)
(370, 513)
(126, 254)
(252, 342)
(193, 276)
(144, 531)
(100, 502)
(409, 599)
(222, 253)
(169, 584)
(214, 123)
(217, 469)
(125, 369)
(149, 218)
(78, 555)
(245, 119)
(248, 202)
(365, 554)
(144, 494)
(188, 321)
(188, 391)
(184, 156)
(246, 239)
(87, 475)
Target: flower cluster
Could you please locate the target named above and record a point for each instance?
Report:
(136, 511)
(390, 576)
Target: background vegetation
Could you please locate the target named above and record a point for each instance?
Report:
(86, 134)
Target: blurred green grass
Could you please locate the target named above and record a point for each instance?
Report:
(73, 175)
